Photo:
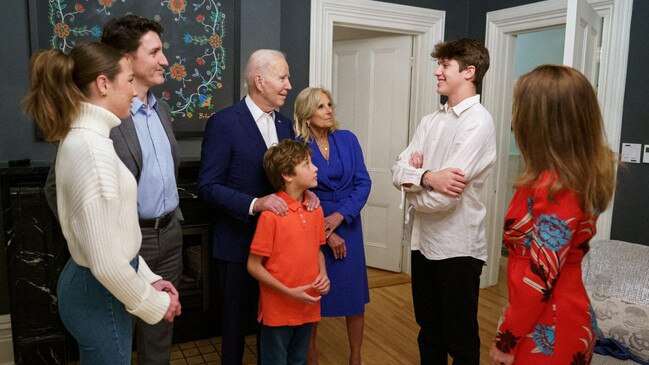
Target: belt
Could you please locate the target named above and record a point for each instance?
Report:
(157, 223)
(334, 195)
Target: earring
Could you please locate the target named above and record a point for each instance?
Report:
(308, 124)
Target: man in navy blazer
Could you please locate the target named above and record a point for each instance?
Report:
(233, 182)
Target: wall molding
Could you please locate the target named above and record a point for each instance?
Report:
(426, 26)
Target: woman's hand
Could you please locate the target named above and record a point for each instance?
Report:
(332, 221)
(174, 308)
(500, 358)
(337, 245)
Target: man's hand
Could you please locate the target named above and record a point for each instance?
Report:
(321, 283)
(500, 358)
(332, 221)
(312, 201)
(272, 203)
(416, 160)
(337, 245)
(449, 181)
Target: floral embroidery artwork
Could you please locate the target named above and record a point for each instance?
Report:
(195, 39)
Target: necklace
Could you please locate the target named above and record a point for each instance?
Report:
(324, 148)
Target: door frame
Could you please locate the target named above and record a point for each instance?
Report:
(426, 26)
(502, 28)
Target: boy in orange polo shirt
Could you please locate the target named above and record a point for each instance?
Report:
(285, 257)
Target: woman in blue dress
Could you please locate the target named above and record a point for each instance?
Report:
(343, 188)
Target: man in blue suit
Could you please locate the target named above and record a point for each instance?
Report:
(232, 180)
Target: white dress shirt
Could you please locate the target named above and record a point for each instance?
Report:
(266, 124)
(463, 137)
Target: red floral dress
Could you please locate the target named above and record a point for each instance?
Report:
(549, 319)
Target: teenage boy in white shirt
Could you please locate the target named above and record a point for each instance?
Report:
(442, 173)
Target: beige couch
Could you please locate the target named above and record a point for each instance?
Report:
(616, 275)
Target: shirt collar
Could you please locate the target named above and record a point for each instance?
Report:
(136, 103)
(255, 110)
(462, 106)
(292, 203)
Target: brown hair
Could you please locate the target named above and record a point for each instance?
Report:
(467, 52)
(306, 104)
(124, 33)
(558, 127)
(280, 160)
(59, 82)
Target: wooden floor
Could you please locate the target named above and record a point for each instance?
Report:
(390, 329)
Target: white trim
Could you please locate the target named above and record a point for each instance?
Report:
(502, 28)
(6, 344)
(426, 26)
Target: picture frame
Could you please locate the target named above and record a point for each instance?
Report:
(198, 41)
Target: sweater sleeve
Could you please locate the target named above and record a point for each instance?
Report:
(94, 225)
(549, 237)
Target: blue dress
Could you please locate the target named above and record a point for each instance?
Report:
(343, 187)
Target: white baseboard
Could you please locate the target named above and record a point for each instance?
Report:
(6, 346)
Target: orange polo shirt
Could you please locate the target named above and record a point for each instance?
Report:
(291, 245)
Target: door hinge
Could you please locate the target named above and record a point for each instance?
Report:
(598, 54)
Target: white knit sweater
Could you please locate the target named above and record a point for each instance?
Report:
(97, 204)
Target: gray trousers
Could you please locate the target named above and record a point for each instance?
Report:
(162, 251)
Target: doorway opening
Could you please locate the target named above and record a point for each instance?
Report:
(424, 28)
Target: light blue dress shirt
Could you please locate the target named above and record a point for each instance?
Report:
(157, 193)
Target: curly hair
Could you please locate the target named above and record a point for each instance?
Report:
(467, 52)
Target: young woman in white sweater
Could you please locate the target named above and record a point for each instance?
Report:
(76, 99)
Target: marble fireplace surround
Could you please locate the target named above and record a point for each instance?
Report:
(34, 252)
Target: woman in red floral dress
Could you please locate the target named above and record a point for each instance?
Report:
(567, 181)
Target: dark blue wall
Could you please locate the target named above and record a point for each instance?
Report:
(631, 199)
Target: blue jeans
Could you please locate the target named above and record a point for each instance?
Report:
(95, 318)
(284, 344)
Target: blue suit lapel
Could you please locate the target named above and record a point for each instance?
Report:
(250, 126)
(283, 127)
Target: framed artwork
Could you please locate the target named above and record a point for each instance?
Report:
(198, 41)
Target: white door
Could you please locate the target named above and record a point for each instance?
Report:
(582, 36)
(371, 89)
(583, 33)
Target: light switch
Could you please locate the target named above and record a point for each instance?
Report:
(645, 154)
(631, 152)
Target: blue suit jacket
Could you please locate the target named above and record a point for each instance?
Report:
(232, 175)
